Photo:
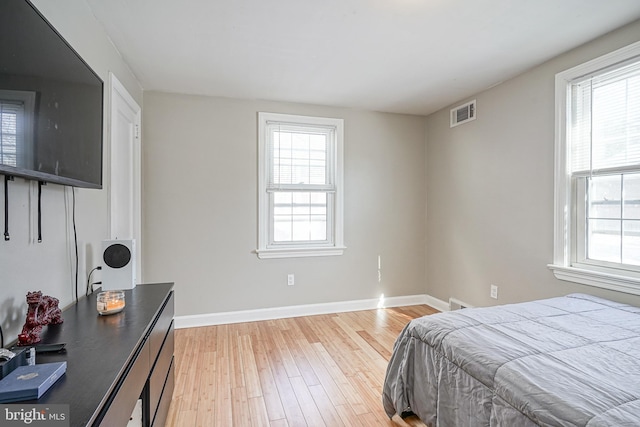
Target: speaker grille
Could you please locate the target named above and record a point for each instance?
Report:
(117, 256)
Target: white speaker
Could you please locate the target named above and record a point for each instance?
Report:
(119, 264)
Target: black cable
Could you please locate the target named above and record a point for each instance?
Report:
(7, 178)
(40, 183)
(95, 283)
(1, 338)
(90, 285)
(75, 235)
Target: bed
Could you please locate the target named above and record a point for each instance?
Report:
(566, 361)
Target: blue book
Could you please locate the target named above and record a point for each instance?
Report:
(30, 382)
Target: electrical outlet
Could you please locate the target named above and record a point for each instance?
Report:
(291, 280)
(494, 292)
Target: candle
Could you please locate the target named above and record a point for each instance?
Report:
(110, 302)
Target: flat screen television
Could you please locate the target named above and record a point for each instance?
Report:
(51, 103)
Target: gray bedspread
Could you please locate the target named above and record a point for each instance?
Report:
(568, 361)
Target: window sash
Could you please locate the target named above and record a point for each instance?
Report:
(604, 126)
(301, 212)
(300, 157)
(619, 241)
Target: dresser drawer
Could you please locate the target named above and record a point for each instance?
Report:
(165, 400)
(161, 327)
(126, 394)
(160, 370)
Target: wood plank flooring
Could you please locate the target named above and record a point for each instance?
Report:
(312, 371)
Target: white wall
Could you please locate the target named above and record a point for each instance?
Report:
(48, 266)
(200, 204)
(490, 189)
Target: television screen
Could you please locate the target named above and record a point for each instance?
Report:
(50, 103)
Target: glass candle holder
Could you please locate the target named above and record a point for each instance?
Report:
(110, 302)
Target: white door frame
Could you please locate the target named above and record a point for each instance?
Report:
(123, 104)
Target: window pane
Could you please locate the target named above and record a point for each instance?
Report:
(605, 197)
(631, 242)
(615, 120)
(318, 227)
(301, 204)
(631, 196)
(318, 147)
(282, 203)
(282, 228)
(299, 158)
(604, 240)
(300, 216)
(313, 227)
(319, 203)
(580, 122)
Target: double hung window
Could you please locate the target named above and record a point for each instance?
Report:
(598, 172)
(300, 186)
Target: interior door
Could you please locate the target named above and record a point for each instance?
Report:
(125, 169)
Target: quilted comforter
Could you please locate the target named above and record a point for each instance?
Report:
(567, 361)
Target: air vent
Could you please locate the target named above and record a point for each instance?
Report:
(463, 113)
(456, 304)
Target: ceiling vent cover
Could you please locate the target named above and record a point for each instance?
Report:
(463, 113)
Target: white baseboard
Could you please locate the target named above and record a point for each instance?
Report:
(438, 304)
(210, 319)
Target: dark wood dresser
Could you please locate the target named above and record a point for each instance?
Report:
(113, 361)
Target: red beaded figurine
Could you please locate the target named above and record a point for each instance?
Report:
(43, 310)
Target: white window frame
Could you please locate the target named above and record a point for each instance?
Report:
(335, 241)
(565, 264)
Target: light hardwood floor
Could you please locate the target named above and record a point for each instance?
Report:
(322, 370)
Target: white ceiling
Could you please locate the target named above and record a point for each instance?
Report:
(404, 56)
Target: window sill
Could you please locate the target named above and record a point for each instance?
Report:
(614, 282)
(299, 252)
